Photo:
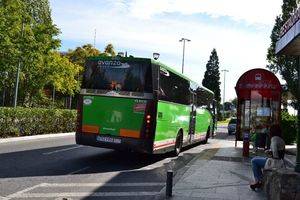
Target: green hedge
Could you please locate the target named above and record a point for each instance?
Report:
(289, 127)
(34, 121)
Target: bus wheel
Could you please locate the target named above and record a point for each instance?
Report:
(178, 144)
(207, 136)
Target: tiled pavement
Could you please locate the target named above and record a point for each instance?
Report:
(219, 173)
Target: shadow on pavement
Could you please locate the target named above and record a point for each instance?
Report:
(39, 162)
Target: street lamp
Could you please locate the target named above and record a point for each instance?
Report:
(183, 40)
(224, 70)
(18, 73)
(156, 56)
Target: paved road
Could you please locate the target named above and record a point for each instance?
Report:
(54, 168)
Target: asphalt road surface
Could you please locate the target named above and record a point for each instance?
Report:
(57, 168)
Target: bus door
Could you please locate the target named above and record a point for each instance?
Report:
(192, 123)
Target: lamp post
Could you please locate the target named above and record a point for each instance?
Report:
(183, 40)
(156, 56)
(18, 73)
(224, 70)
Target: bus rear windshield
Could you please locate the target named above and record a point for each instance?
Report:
(131, 76)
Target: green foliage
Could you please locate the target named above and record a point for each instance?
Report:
(110, 50)
(80, 54)
(289, 127)
(212, 75)
(211, 79)
(33, 121)
(27, 36)
(62, 74)
(285, 65)
(234, 102)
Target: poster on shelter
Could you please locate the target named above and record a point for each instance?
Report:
(263, 112)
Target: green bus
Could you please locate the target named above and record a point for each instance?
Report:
(141, 105)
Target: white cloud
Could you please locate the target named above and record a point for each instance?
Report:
(251, 11)
(131, 27)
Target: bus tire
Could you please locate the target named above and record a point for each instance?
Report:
(178, 143)
(207, 135)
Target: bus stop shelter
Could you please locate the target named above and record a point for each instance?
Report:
(259, 98)
(289, 44)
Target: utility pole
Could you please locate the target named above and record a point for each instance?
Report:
(18, 72)
(224, 70)
(183, 40)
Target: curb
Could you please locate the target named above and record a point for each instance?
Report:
(35, 137)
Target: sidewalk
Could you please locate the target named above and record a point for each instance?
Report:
(220, 173)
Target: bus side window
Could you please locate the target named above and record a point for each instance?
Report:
(173, 88)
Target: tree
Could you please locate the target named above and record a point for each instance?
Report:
(62, 74)
(28, 36)
(285, 65)
(110, 50)
(212, 75)
(80, 54)
(234, 102)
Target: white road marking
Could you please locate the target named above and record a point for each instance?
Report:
(79, 170)
(62, 150)
(20, 193)
(86, 194)
(102, 184)
(24, 194)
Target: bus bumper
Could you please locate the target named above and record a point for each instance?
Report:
(127, 144)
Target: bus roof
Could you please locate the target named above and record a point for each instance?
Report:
(131, 58)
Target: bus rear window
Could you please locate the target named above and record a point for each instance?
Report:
(131, 76)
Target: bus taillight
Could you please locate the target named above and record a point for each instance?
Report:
(148, 117)
(148, 120)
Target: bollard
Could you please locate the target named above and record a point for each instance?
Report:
(169, 183)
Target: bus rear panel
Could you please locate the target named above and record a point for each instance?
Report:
(116, 108)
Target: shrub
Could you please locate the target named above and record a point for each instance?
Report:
(289, 127)
(33, 121)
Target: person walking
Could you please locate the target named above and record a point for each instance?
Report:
(276, 152)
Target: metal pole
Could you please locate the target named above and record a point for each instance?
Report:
(224, 70)
(182, 68)
(18, 73)
(297, 167)
(183, 51)
(169, 183)
(17, 84)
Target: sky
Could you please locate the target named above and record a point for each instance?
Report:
(238, 29)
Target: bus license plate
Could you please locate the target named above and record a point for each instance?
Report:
(108, 139)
